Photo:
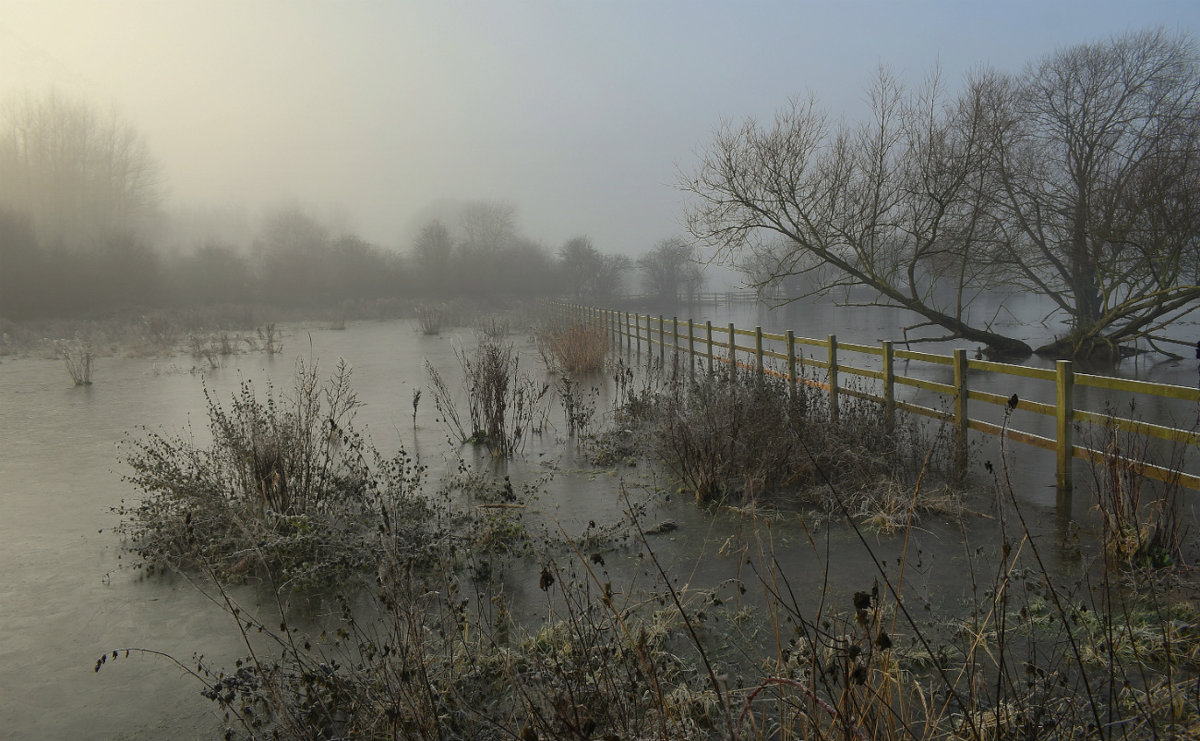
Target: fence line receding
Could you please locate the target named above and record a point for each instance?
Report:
(783, 356)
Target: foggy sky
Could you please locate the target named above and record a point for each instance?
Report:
(578, 113)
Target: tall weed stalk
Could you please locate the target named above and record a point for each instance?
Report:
(504, 405)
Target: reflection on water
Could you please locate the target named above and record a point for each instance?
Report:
(64, 598)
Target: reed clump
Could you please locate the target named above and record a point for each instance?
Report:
(575, 348)
(504, 404)
(1141, 525)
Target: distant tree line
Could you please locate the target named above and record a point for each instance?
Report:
(81, 229)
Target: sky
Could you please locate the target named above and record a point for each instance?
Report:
(581, 115)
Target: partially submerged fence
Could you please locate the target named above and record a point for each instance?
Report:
(782, 355)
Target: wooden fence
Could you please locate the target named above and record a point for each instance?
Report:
(780, 355)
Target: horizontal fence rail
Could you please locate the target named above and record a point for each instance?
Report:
(783, 356)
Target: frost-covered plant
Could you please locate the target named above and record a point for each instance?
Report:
(287, 488)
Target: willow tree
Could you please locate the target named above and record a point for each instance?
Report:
(891, 204)
(1074, 180)
(1096, 160)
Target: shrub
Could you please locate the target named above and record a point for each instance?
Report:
(287, 489)
(77, 357)
(504, 404)
(430, 318)
(203, 349)
(269, 337)
(436, 656)
(491, 328)
(744, 437)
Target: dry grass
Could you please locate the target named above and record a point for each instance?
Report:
(574, 348)
(1141, 525)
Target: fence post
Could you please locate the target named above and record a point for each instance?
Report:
(961, 420)
(791, 363)
(1064, 428)
(649, 343)
(833, 379)
(758, 352)
(662, 341)
(637, 333)
(732, 354)
(691, 349)
(625, 331)
(708, 341)
(674, 347)
(889, 386)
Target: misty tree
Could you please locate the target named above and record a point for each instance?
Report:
(1096, 157)
(359, 269)
(487, 226)
(82, 176)
(432, 254)
(1072, 180)
(214, 272)
(587, 272)
(671, 270)
(22, 267)
(293, 256)
(885, 205)
(522, 269)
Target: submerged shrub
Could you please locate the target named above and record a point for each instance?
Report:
(504, 404)
(748, 435)
(430, 318)
(77, 357)
(286, 489)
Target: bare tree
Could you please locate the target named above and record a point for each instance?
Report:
(887, 205)
(671, 270)
(432, 254)
(83, 177)
(487, 226)
(1096, 152)
(588, 272)
(1075, 180)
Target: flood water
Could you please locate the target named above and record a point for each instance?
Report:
(65, 597)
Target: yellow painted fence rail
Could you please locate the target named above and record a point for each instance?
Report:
(782, 355)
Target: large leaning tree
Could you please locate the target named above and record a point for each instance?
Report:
(1096, 159)
(1074, 179)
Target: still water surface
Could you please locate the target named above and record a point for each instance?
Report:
(65, 598)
